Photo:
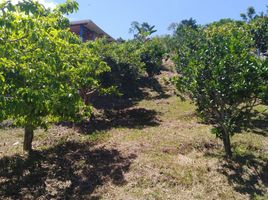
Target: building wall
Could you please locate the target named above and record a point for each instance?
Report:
(87, 34)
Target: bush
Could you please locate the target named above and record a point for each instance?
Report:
(124, 61)
(152, 55)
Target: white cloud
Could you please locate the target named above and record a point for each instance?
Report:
(46, 3)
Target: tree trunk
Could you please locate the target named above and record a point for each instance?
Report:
(227, 144)
(28, 138)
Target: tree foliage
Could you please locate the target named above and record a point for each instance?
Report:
(251, 14)
(259, 29)
(152, 50)
(189, 23)
(152, 55)
(129, 61)
(222, 77)
(124, 59)
(181, 35)
(141, 31)
(43, 66)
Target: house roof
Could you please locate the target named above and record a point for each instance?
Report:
(91, 26)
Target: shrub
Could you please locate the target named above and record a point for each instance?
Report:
(221, 76)
(152, 55)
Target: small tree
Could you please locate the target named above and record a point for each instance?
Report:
(42, 66)
(221, 76)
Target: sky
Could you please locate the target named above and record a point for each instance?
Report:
(115, 16)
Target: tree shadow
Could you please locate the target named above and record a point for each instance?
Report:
(259, 125)
(153, 84)
(7, 124)
(67, 171)
(131, 94)
(135, 118)
(119, 111)
(247, 173)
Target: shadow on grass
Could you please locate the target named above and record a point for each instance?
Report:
(135, 118)
(132, 93)
(259, 125)
(118, 111)
(67, 171)
(154, 85)
(247, 172)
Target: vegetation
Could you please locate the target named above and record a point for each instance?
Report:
(152, 55)
(123, 59)
(129, 60)
(141, 31)
(222, 77)
(43, 66)
(155, 149)
(49, 77)
(152, 51)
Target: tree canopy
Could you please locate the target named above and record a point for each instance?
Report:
(43, 66)
(220, 74)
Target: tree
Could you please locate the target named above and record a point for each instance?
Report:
(183, 33)
(251, 14)
(152, 52)
(124, 59)
(141, 31)
(221, 76)
(42, 66)
(258, 24)
(187, 40)
(259, 29)
(190, 23)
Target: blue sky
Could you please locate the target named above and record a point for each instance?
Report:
(115, 16)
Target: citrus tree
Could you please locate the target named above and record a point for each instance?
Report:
(43, 66)
(124, 59)
(259, 29)
(152, 54)
(221, 76)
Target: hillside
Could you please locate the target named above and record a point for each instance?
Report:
(151, 147)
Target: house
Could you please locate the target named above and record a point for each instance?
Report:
(88, 30)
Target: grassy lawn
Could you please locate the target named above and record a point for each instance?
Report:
(154, 149)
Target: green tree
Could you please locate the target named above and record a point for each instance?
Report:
(141, 31)
(124, 59)
(184, 33)
(222, 78)
(42, 66)
(258, 24)
(190, 23)
(251, 14)
(259, 29)
(152, 54)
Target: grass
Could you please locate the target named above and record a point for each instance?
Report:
(155, 149)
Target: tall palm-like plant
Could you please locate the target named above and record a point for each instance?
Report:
(142, 31)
